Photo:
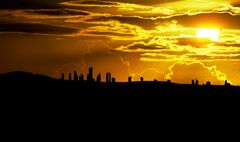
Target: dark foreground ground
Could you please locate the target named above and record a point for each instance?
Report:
(20, 83)
(30, 99)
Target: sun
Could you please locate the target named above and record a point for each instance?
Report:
(212, 34)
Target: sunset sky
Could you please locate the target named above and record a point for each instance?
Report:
(179, 40)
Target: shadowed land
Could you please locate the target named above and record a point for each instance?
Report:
(33, 84)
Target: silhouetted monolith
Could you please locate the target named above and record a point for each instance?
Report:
(108, 77)
(90, 75)
(197, 83)
(99, 78)
(227, 84)
(75, 76)
(193, 83)
(81, 77)
(155, 80)
(208, 83)
(113, 80)
(141, 79)
(70, 76)
(129, 79)
(169, 81)
(62, 76)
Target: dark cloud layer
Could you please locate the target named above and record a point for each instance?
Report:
(97, 2)
(223, 20)
(59, 12)
(35, 28)
(29, 4)
(110, 33)
(204, 20)
(143, 22)
(144, 47)
(236, 3)
(145, 2)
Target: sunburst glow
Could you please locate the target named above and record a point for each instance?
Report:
(212, 34)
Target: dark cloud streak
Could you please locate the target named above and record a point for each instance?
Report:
(145, 2)
(222, 20)
(59, 12)
(36, 28)
(30, 4)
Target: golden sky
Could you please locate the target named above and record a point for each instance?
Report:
(179, 40)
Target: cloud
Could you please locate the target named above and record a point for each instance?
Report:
(228, 44)
(58, 12)
(209, 20)
(116, 31)
(141, 47)
(235, 3)
(144, 2)
(47, 13)
(157, 49)
(153, 9)
(30, 4)
(167, 47)
(185, 72)
(36, 28)
(90, 3)
(194, 42)
(133, 20)
(127, 8)
(149, 75)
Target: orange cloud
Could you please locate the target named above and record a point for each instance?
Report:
(185, 72)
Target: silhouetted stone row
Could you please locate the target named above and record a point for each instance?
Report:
(195, 82)
(110, 79)
(27, 82)
(90, 78)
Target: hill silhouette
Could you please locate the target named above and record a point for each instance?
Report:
(40, 85)
(21, 76)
